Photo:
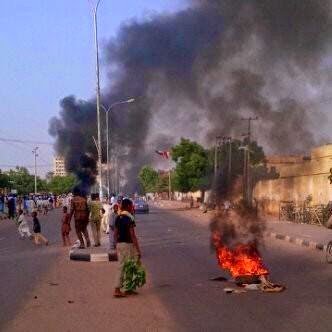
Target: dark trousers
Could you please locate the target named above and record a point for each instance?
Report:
(81, 230)
(11, 213)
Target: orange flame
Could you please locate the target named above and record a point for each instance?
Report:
(243, 260)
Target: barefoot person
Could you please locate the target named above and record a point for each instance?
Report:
(65, 227)
(126, 242)
(38, 237)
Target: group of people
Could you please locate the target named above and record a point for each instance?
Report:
(11, 204)
(119, 222)
(114, 217)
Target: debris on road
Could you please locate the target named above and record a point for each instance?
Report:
(229, 290)
(223, 279)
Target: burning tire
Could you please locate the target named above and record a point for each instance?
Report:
(329, 252)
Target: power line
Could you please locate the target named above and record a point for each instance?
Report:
(26, 166)
(8, 140)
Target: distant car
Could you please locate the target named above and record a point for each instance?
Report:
(141, 206)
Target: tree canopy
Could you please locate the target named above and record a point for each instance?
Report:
(62, 184)
(257, 156)
(192, 166)
(4, 180)
(148, 179)
(24, 182)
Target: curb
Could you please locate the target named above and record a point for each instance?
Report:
(102, 257)
(298, 241)
(75, 255)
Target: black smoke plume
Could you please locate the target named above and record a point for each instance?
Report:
(197, 72)
(74, 134)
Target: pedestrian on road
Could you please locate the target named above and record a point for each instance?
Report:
(23, 226)
(65, 227)
(95, 207)
(127, 246)
(111, 224)
(38, 237)
(80, 211)
(104, 220)
(11, 207)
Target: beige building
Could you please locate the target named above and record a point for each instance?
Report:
(59, 166)
(300, 177)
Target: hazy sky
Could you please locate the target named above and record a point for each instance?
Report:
(47, 53)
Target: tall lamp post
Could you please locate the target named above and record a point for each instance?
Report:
(34, 151)
(107, 110)
(94, 11)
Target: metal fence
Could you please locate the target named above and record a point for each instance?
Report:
(305, 213)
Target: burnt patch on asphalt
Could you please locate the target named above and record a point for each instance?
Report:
(220, 279)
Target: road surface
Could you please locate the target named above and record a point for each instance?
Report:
(41, 290)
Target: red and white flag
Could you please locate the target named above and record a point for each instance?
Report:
(164, 154)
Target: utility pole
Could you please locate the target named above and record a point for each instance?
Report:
(246, 172)
(170, 180)
(216, 153)
(228, 140)
(94, 11)
(34, 151)
(170, 185)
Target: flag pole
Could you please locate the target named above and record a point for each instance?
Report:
(169, 185)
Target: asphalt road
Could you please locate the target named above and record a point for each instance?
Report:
(42, 290)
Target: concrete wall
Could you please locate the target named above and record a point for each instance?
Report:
(300, 176)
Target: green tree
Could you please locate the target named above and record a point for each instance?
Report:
(163, 182)
(257, 157)
(62, 184)
(4, 180)
(148, 179)
(192, 166)
(258, 169)
(24, 182)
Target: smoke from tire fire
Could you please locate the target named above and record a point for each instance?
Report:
(195, 73)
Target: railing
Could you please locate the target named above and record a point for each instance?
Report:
(305, 213)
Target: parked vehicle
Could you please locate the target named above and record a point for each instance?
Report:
(141, 206)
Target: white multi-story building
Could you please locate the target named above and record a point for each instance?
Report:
(59, 166)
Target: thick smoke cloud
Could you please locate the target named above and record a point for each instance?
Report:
(204, 68)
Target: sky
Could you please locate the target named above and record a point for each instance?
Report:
(47, 53)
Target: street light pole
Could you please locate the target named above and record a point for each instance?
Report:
(34, 151)
(107, 156)
(228, 140)
(94, 10)
(247, 177)
(107, 111)
(216, 151)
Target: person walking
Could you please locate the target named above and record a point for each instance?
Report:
(11, 207)
(95, 207)
(105, 217)
(127, 246)
(111, 225)
(80, 211)
(38, 237)
(65, 227)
